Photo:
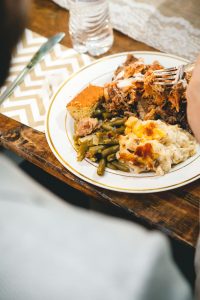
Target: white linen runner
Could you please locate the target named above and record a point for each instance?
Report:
(168, 25)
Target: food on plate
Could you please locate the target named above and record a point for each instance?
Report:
(132, 90)
(85, 102)
(131, 124)
(154, 145)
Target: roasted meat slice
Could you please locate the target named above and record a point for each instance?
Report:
(132, 90)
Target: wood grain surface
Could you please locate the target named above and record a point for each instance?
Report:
(175, 212)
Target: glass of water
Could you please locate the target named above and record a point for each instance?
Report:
(89, 26)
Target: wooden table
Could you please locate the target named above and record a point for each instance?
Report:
(175, 212)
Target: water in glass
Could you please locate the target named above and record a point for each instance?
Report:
(90, 27)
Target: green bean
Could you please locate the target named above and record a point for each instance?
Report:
(120, 166)
(105, 140)
(111, 166)
(82, 151)
(76, 141)
(89, 142)
(106, 115)
(101, 134)
(95, 149)
(110, 150)
(97, 113)
(111, 141)
(111, 157)
(107, 127)
(117, 122)
(120, 130)
(101, 167)
(105, 134)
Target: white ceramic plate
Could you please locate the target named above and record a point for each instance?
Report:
(59, 132)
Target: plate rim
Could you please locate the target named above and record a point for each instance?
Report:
(74, 171)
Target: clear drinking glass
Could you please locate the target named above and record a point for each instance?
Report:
(89, 26)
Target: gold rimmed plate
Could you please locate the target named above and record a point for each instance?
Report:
(60, 129)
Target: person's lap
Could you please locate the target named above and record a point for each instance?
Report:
(49, 248)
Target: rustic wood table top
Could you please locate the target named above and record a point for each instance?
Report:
(175, 212)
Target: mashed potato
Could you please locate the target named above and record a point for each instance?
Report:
(154, 145)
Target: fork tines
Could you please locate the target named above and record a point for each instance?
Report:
(166, 76)
(166, 70)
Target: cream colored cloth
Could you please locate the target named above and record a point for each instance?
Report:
(168, 25)
(30, 100)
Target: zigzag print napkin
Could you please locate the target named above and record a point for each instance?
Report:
(30, 100)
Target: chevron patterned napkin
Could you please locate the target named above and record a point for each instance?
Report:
(30, 100)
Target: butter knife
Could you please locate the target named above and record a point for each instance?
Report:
(44, 49)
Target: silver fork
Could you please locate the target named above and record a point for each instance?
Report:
(171, 76)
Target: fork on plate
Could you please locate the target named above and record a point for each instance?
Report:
(171, 76)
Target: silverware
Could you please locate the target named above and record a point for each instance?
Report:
(171, 76)
(44, 49)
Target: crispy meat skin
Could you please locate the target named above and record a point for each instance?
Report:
(143, 98)
(130, 59)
